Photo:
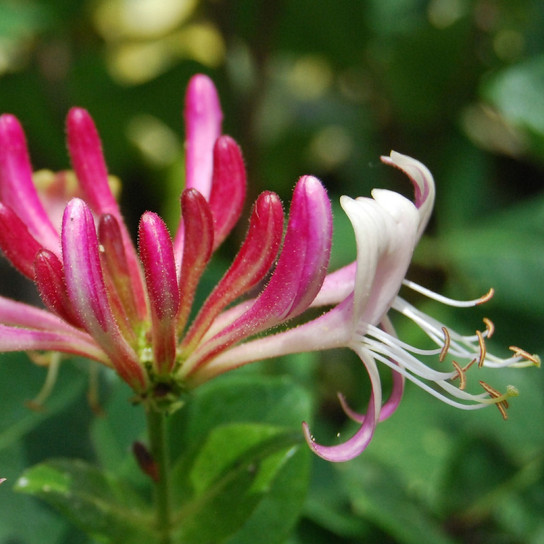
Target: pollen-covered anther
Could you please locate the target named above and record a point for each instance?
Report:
(489, 327)
(531, 358)
(500, 399)
(483, 349)
(446, 346)
(487, 297)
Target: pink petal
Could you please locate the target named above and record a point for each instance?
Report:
(90, 167)
(361, 439)
(49, 277)
(389, 407)
(203, 118)
(352, 447)
(115, 264)
(157, 255)
(336, 286)
(87, 291)
(303, 261)
(16, 186)
(228, 187)
(17, 339)
(18, 245)
(299, 274)
(197, 231)
(249, 266)
(88, 162)
(20, 314)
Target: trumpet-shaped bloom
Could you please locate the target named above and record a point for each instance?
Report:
(128, 307)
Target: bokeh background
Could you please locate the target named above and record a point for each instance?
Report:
(321, 87)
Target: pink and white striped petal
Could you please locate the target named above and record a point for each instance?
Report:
(87, 291)
(18, 339)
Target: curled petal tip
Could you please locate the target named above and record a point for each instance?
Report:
(352, 447)
(422, 181)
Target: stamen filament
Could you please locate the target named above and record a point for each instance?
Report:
(446, 300)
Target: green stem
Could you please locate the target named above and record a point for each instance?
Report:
(158, 441)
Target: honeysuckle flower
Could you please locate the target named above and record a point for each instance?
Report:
(387, 228)
(128, 308)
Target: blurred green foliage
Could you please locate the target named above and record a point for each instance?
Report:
(323, 88)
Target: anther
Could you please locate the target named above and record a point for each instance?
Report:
(460, 375)
(483, 350)
(488, 296)
(518, 352)
(446, 346)
(501, 402)
(489, 327)
(468, 365)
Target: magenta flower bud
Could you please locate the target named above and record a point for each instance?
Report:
(228, 190)
(203, 119)
(157, 255)
(49, 277)
(16, 242)
(17, 190)
(197, 233)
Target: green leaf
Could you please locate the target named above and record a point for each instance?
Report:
(247, 398)
(237, 466)
(377, 494)
(97, 502)
(21, 381)
(46, 527)
(114, 434)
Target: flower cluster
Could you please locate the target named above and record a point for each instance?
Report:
(128, 308)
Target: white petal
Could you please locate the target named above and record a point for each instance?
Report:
(386, 233)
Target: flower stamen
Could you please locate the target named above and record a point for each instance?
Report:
(500, 399)
(446, 300)
(483, 349)
(460, 374)
(446, 346)
(489, 327)
(532, 359)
